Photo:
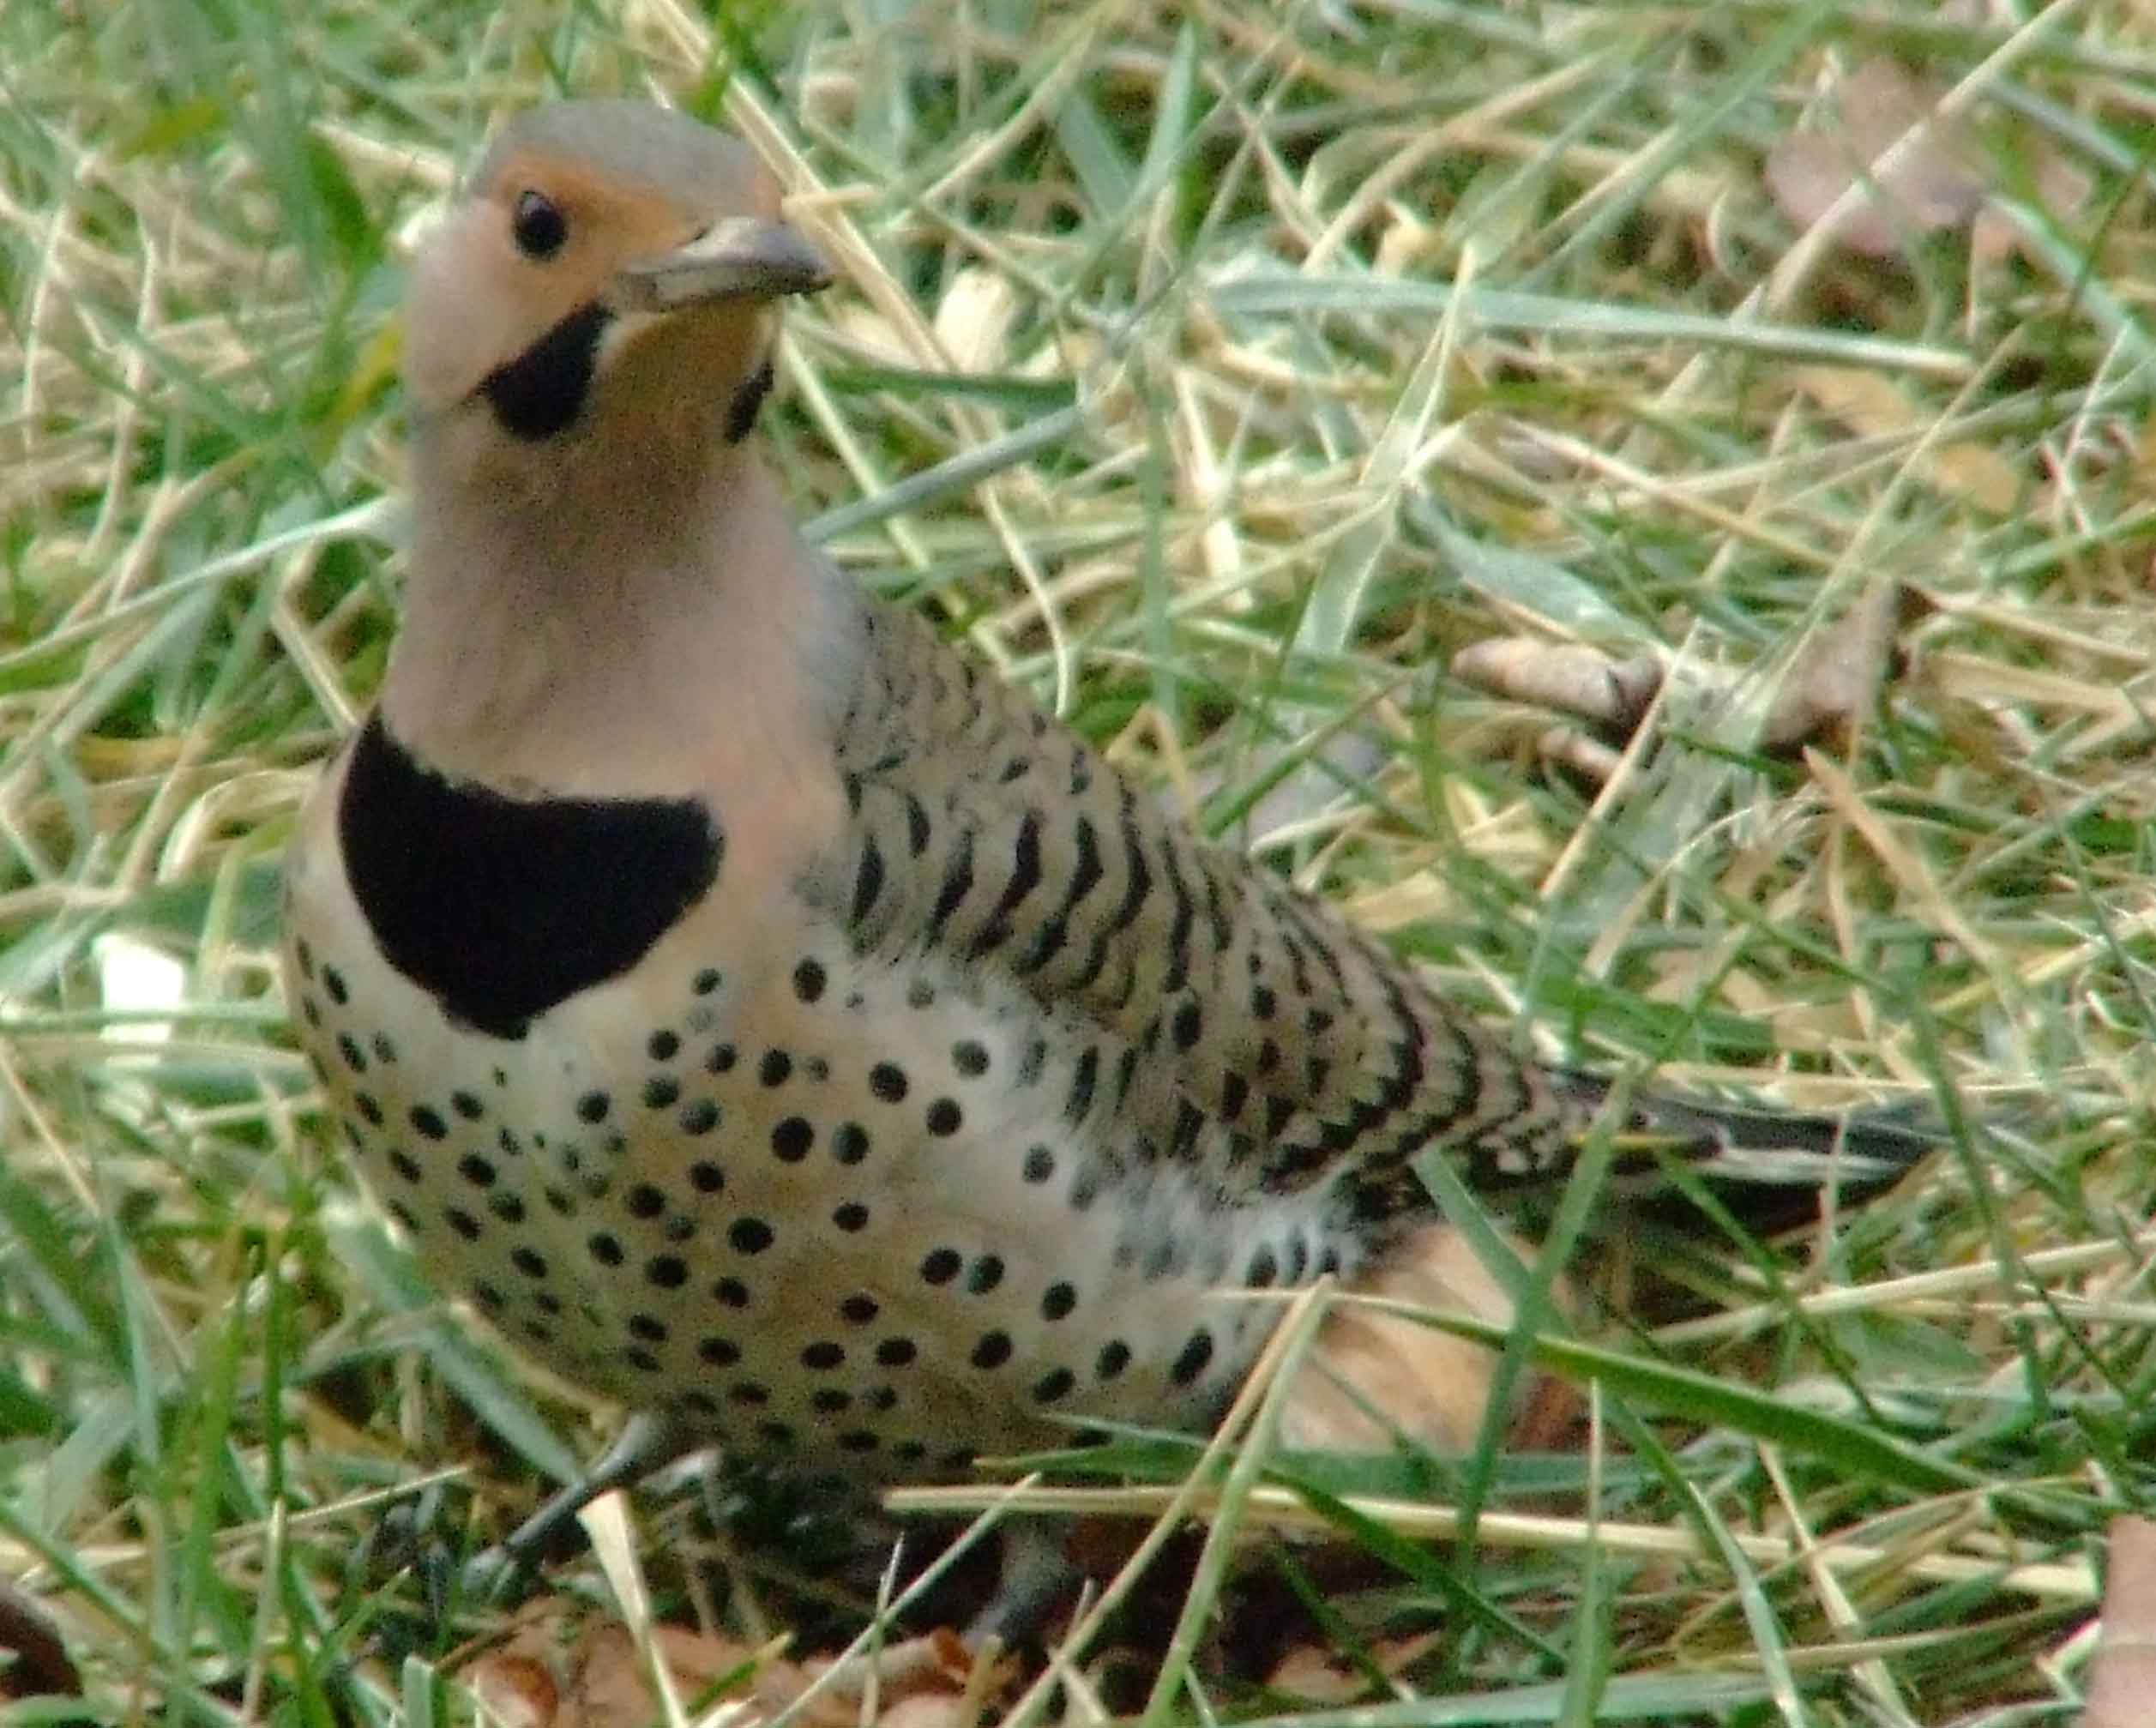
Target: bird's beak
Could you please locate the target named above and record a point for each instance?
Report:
(739, 257)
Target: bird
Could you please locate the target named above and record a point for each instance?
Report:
(760, 1014)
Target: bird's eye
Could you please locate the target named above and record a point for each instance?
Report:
(539, 225)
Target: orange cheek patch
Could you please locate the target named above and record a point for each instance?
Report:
(477, 303)
(608, 224)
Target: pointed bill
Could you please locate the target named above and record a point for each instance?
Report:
(739, 257)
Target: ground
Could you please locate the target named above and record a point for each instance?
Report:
(1218, 373)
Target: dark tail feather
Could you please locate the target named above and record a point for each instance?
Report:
(1769, 1167)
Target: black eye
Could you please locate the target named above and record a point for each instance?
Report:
(539, 225)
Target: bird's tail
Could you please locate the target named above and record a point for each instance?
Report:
(1769, 1167)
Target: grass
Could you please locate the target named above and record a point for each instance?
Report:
(1217, 373)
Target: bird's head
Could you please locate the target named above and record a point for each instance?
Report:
(608, 264)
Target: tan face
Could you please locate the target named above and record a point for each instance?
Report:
(590, 231)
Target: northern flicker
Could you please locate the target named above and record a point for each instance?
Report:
(766, 1018)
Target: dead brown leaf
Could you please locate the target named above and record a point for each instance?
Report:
(1574, 679)
(1315, 1674)
(2124, 1681)
(33, 1656)
(1936, 183)
(1838, 676)
(1943, 180)
(1872, 405)
(2061, 185)
(518, 1690)
(1834, 684)
(1572, 751)
(561, 1669)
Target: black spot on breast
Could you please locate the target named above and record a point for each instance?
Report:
(748, 403)
(543, 390)
(499, 908)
